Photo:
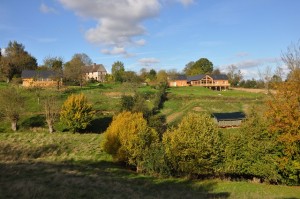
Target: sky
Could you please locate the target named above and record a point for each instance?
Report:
(155, 34)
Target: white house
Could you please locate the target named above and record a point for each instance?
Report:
(96, 72)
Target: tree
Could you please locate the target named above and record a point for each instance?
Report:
(128, 137)
(55, 64)
(266, 77)
(11, 105)
(234, 75)
(74, 69)
(15, 60)
(76, 113)
(251, 152)
(202, 66)
(292, 56)
(152, 75)
(284, 115)
(162, 77)
(51, 111)
(194, 147)
(216, 72)
(117, 70)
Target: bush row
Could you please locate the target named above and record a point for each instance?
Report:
(196, 148)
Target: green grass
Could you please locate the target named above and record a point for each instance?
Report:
(64, 165)
(182, 100)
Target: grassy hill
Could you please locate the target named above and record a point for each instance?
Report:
(36, 164)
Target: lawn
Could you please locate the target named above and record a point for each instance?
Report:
(65, 165)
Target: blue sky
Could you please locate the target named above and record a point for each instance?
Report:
(159, 34)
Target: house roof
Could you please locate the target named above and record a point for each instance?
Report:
(195, 77)
(219, 77)
(95, 68)
(215, 77)
(229, 116)
(37, 74)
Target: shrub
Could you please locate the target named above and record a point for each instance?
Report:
(76, 113)
(195, 146)
(128, 137)
(251, 152)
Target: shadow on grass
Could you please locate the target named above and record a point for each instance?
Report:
(34, 121)
(92, 180)
(99, 125)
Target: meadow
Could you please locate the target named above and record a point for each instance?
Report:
(36, 164)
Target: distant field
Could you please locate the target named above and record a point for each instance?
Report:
(65, 165)
(186, 99)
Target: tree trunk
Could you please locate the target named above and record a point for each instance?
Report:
(50, 127)
(14, 125)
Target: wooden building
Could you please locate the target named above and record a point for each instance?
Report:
(215, 82)
(179, 81)
(32, 78)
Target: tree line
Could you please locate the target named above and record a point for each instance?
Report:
(16, 58)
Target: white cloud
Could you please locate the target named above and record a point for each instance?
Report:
(118, 21)
(114, 51)
(148, 61)
(250, 63)
(46, 9)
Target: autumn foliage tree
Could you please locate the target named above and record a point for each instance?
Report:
(128, 137)
(76, 113)
(284, 115)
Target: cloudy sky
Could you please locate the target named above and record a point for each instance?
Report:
(159, 34)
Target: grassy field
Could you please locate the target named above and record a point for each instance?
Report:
(64, 165)
(182, 100)
(36, 164)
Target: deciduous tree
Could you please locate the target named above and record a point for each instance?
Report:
(234, 75)
(55, 64)
(15, 60)
(117, 71)
(51, 111)
(11, 105)
(201, 66)
(74, 69)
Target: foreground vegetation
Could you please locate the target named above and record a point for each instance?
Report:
(64, 165)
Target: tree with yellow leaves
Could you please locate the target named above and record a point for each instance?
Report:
(76, 113)
(128, 137)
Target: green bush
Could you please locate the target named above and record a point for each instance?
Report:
(251, 152)
(195, 147)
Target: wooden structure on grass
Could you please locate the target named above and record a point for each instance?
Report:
(225, 120)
